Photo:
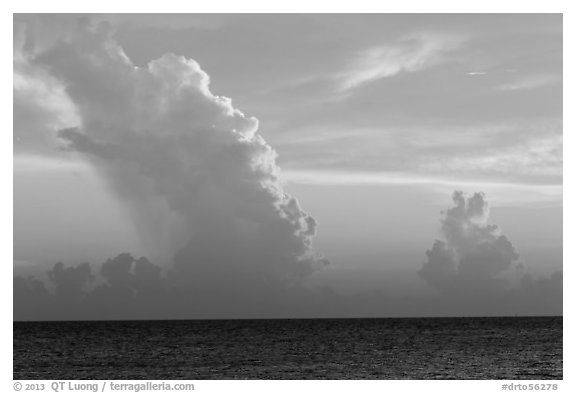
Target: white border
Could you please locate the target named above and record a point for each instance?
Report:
(244, 6)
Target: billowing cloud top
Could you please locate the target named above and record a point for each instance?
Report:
(201, 183)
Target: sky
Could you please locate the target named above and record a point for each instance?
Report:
(287, 165)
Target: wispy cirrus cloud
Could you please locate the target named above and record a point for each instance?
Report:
(515, 152)
(530, 82)
(502, 193)
(410, 54)
(40, 163)
(537, 158)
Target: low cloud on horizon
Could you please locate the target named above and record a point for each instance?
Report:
(475, 271)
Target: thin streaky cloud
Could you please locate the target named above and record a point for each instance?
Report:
(348, 178)
(411, 54)
(530, 83)
(45, 164)
(540, 156)
(395, 178)
(501, 193)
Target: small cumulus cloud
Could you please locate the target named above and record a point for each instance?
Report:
(474, 261)
(71, 281)
(31, 299)
(132, 287)
(473, 255)
(124, 287)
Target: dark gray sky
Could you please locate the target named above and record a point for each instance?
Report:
(366, 125)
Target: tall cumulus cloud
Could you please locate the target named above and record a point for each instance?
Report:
(199, 180)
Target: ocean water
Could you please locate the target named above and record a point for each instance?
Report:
(411, 348)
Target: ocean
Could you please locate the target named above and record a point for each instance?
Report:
(387, 348)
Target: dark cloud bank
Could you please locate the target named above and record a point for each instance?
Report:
(475, 270)
(203, 189)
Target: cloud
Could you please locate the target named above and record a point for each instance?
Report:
(170, 21)
(537, 158)
(31, 299)
(134, 288)
(41, 105)
(200, 182)
(504, 193)
(476, 268)
(473, 256)
(544, 292)
(70, 282)
(127, 288)
(411, 54)
(462, 153)
(530, 82)
(30, 163)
